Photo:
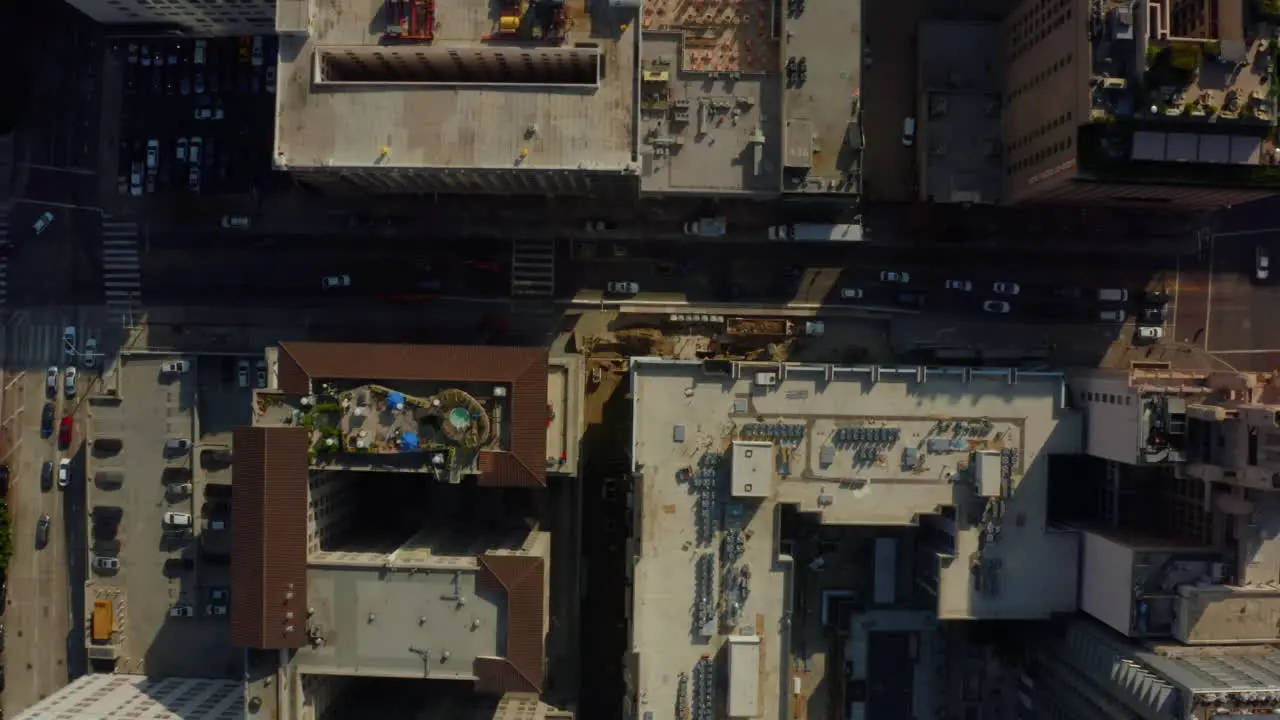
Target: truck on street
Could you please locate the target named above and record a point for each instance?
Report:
(816, 232)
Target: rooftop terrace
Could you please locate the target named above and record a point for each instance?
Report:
(472, 98)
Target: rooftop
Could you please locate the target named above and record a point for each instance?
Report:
(855, 446)
(960, 134)
(477, 96)
(102, 696)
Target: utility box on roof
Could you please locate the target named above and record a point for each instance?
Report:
(744, 676)
(751, 472)
(986, 471)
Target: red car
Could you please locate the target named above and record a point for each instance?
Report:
(64, 432)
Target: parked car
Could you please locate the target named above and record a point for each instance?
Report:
(177, 519)
(42, 531)
(51, 381)
(1262, 266)
(622, 287)
(69, 345)
(1153, 314)
(1149, 333)
(257, 55)
(996, 306)
(69, 381)
(46, 476)
(65, 430)
(270, 79)
(236, 222)
(153, 154)
(64, 473)
(1006, 288)
(219, 594)
(175, 367)
(177, 446)
(962, 285)
(106, 564)
(180, 149)
(216, 610)
(850, 293)
(46, 420)
(42, 222)
(89, 358)
(894, 276)
(260, 373)
(242, 373)
(181, 611)
(335, 281)
(4, 484)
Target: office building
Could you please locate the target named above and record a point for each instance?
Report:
(209, 19)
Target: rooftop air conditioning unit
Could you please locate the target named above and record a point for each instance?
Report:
(766, 379)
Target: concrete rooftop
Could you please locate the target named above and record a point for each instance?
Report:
(852, 482)
(468, 114)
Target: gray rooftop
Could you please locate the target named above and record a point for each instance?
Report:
(344, 100)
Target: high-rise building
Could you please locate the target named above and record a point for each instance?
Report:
(199, 17)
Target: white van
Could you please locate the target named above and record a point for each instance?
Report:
(909, 132)
(1112, 295)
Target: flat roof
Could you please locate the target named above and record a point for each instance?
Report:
(100, 696)
(919, 427)
(346, 100)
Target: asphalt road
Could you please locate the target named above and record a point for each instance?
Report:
(60, 266)
(231, 269)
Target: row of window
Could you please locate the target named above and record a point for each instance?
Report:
(1039, 156)
(1109, 398)
(1035, 80)
(1031, 136)
(1021, 45)
(1037, 13)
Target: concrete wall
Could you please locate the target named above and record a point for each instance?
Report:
(1112, 411)
(330, 510)
(1106, 581)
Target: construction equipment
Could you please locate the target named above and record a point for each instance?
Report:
(103, 621)
(542, 21)
(410, 21)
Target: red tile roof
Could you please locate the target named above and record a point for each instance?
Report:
(523, 578)
(525, 369)
(269, 537)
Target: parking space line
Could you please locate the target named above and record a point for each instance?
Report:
(1208, 296)
(1172, 318)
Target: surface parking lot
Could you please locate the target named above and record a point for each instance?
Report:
(189, 106)
(134, 479)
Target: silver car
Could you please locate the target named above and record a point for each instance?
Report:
(999, 307)
(894, 276)
(962, 285)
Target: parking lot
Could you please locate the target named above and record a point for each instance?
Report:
(160, 447)
(189, 112)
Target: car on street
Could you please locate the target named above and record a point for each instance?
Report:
(1262, 263)
(106, 564)
(65, 430)
(69, 345)
(995, 306)
(1068, 292)
(177, 446)
(242, 373)
(46, 421)
(235, 222)
(145, 55)
(89, 358)
(180, 149)
(962, 285)
(335, 281)
(850, 293)
(42, 222)
(1153, 315)
(51, 381)
(1115, 316)
(184, 85)
(270, 80)
(181, 611)
(622, 287)
(42, 531)
(597, 225)
(135, 180)
(216, 610)
(64, 473)
(1006, 288)
(198, 52)
(133, 53)
(1149, 333)
(219, 594)
(193, 177)
(209, 113)
(257, 53)
(46, 476)
(1155, 297)
(911, 300)
(69, 381)
(153, 154)
(260, 373)
(4, 482)
(198, 83)
(175, 367)
(893, 276)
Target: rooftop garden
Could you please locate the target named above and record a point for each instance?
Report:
(1193, 79)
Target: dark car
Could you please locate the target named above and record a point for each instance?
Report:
(1067, 293)
(64, 432)
(1155, 297)
(911, 300)
(42, 531)
(1153, 314)
(4, 480)
(46, 476)
(46, 421)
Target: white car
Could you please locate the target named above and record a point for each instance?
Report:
(153, 154)
(216, 610)
(193, 151)
(177, 446)
(850, 293)
(181, 611)
(208, 113)
(1263, 266)
(89, 357)
(270, 79)
(622, 287)
(1150, 333)
(135, 180)
(176, 367)
(235, 222)
(197, 55)
(51, 380)
(1006, 288)
(336, 281)
(894, 277)
(106, 563)
(996, 306)
(257, 51)
(242, 373)
(193, 177)
(42, 222)
(962, 285)
(64, 472)
(260, 373)
(177, 519)
(180, 149)
(69, 381)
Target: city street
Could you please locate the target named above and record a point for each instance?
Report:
(61, 265)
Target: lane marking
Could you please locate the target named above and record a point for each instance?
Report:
(1177, 288)
(1208, 298)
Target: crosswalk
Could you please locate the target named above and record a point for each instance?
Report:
(533, 268)
(121, 270)
(33, 339)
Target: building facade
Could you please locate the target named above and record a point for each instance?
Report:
(198, 17)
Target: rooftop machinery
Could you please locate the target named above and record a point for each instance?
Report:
(410, 21)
